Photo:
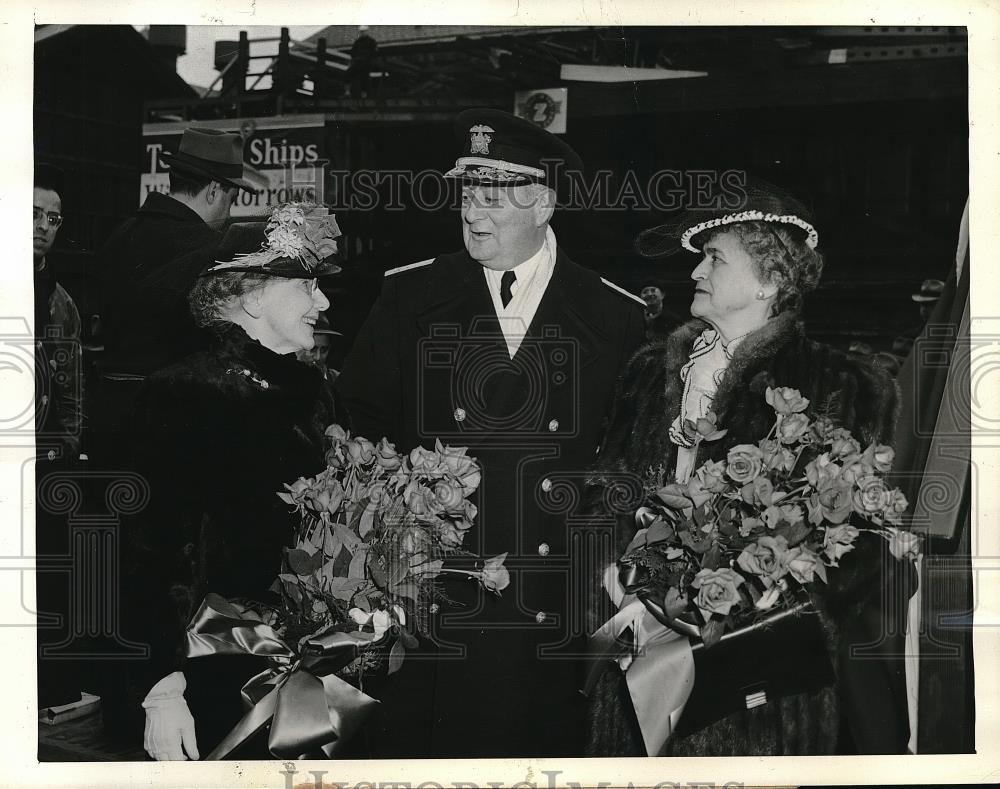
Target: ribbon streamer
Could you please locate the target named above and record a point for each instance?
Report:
(308, 706)
(658, 665)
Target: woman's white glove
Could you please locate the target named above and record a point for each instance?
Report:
(169, 724)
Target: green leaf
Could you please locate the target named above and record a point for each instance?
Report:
(700, 517)
(399, 571)
(286, 497)
(301, 563)
(362, 602)
(355, 519)
(396, 655)
(794, 533)
(659, 531)
(344, 588)
(376, 571)
(408, 590)
(712, 631)
(357, 566)
(351, 540)
(408, 639)
(367, 521)
(711, 558)
(429, 568)
(689, 540)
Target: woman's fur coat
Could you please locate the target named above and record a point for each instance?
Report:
(852, 393)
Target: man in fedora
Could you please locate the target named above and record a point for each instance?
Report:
(511, 349)
(149, 264)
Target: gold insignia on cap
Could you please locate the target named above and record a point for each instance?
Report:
(480, 139)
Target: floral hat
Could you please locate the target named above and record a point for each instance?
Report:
(297, 241)
(745, 199)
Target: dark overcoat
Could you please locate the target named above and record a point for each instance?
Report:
(145, 320)
(866, 711)
(430, 362)
(217, 435)
(148, 265)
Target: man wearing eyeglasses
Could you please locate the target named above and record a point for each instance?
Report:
(59, 409)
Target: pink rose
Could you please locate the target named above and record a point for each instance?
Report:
(896, 507)
(855, 470)
(904, 544)
(464, 468)
(414, 540)
(744, 463)
(419, 500)
(330, 498)
(822, 469)
(336, 433)
(450, 535)
(838, 540)
(387, 456)
(450, 497)
(696, 491)
(360, 451)
(880, 457)
(748, 525)
(712, 475)
(495, 576)
(768, 557)
(871, 497)
(822, 428)
(843, 445)
(298, 488)
(804, 565)
(759, 492)
(834, 500)
(717, 590)
(785, 400)
(777, 457)
(426, 461)
(792, 427)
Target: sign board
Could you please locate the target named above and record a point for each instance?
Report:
(546, 107)
(285, 153)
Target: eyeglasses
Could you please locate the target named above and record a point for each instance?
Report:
(53, 218)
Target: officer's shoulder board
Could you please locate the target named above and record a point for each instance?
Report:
(624, 292)
(410, 267)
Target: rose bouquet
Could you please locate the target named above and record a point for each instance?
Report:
(375, 528)
(748, 536)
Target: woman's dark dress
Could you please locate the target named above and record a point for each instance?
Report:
(862, 713)
(216, 437)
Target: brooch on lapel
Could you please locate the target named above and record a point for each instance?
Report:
(249, 375)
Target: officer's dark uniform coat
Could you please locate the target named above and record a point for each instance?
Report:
(431, 362)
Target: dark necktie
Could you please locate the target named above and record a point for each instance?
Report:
(506, 282)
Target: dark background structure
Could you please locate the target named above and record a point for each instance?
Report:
(867, 125)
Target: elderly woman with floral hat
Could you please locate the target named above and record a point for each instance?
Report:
(217, 435)
(756, 261)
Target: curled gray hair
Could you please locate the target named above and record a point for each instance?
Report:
(210, 296)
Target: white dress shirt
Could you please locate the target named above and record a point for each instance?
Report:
(533, 277)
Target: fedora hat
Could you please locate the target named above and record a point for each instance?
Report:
(210, 153)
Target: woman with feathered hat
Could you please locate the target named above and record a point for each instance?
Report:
(758, 257)
(217, 434)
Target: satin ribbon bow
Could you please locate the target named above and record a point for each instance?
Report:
(657, 660)
(308, 706)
